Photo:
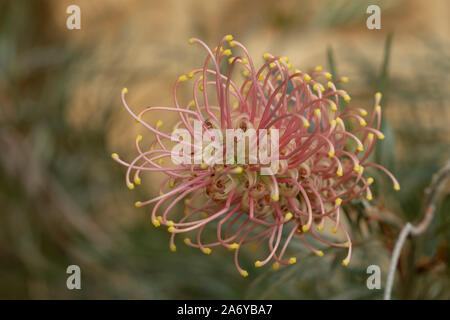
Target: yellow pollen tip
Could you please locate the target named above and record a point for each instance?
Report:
(318, 68)
(125, 90)
(334, 230)
(305, 228)
(357, 168)
(191, 41)
(137, 180)
(238, 170)
(159, 218)
(137, 204)
(331, 154)
(171, 229)
(360, 148)
(206, 250)
(190, 75)
(369, 197)
(159, 124)
(182, 78)
(289, 65)
(276, 197)
(339, 172)
(244, 61)
(227, 52)
(234, 246)
(232, 43)
(261, 77)
(380, 136)
(187, 201)
(170, 223)
(338, 201)
(187, 240)
(345, 262)
(156, 223)
(320, 227)
(328, 75)
(266, 56)
(288, 216)
(378, 95)
(203, 165)
(307, 78)
(396, 187)
(333, 106)
(130, 186)
(347, 98)
(230, 60)
(370, 180)
(258, 264)
(370, 136)
(319, 253)
(363, 123)
(275, 266)
(306, 123)
(363, 112)
(272, 65)
(377, 108)
(297, 71)
(292, 260)
(317, 112)
(228, 37)
(245, 73)
(173, 248)
(344, 79)
(115, 156)
(244, 273)
(139, 137)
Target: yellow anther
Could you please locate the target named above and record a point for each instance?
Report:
(317, 112)
(276, 197)
(137, 180)
(333, 123)
(380, 136)
(362, 123)
(279, 77)
(173, 248)
(187, 240)
(370, 180)
(206, 250)
(333, 106)
(203, 165)
(245, 73)
(228, 37)
(261, 77)
(187, 201)
(171, 229)
(191, 104)
(170, 223)
(230, 60)
(360, 148)
(344, 79)
(275, 266)
(363, 112)
(396, 187)
(227, 52)
(156, 223)
(159, 124)
(160, 160)
(378, 95)
(235, 105)
(369, 196)
(289, 66)
(159, 218)
(244, 273)
(191, 41)
(378, 108)
(347, 244)
(125, 90)
(370, 136)
(307, 77)
(232, 44)
(319, 253)
(288, 217)
(234, 246)
(139, 137)
(297, 71)
(237, 170)
(292, 260)
(186, 211)
(272, 65)
(331, 154)
(115, 156)
(258, 263)
(316, 87)
(190, 75)
(334, 230)
(320, 227)
(347, 98)
(328, 75)
(266, 56)
(306, 123)
(201, 87)
(204, 215)
(305, 228)
(345, 262)
(182, 78)
(318, 68)
(357, 168)
(339, 172)
(130, 186)
(338, 202)
(137, 204)
(329, 84)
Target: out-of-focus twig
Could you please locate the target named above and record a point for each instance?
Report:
(410, 229)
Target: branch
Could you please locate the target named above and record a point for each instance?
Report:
(409, 229)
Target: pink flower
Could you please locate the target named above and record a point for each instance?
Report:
(321, 162)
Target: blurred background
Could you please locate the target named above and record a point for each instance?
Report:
(64, 201)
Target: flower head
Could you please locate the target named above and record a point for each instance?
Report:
(323, 148)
